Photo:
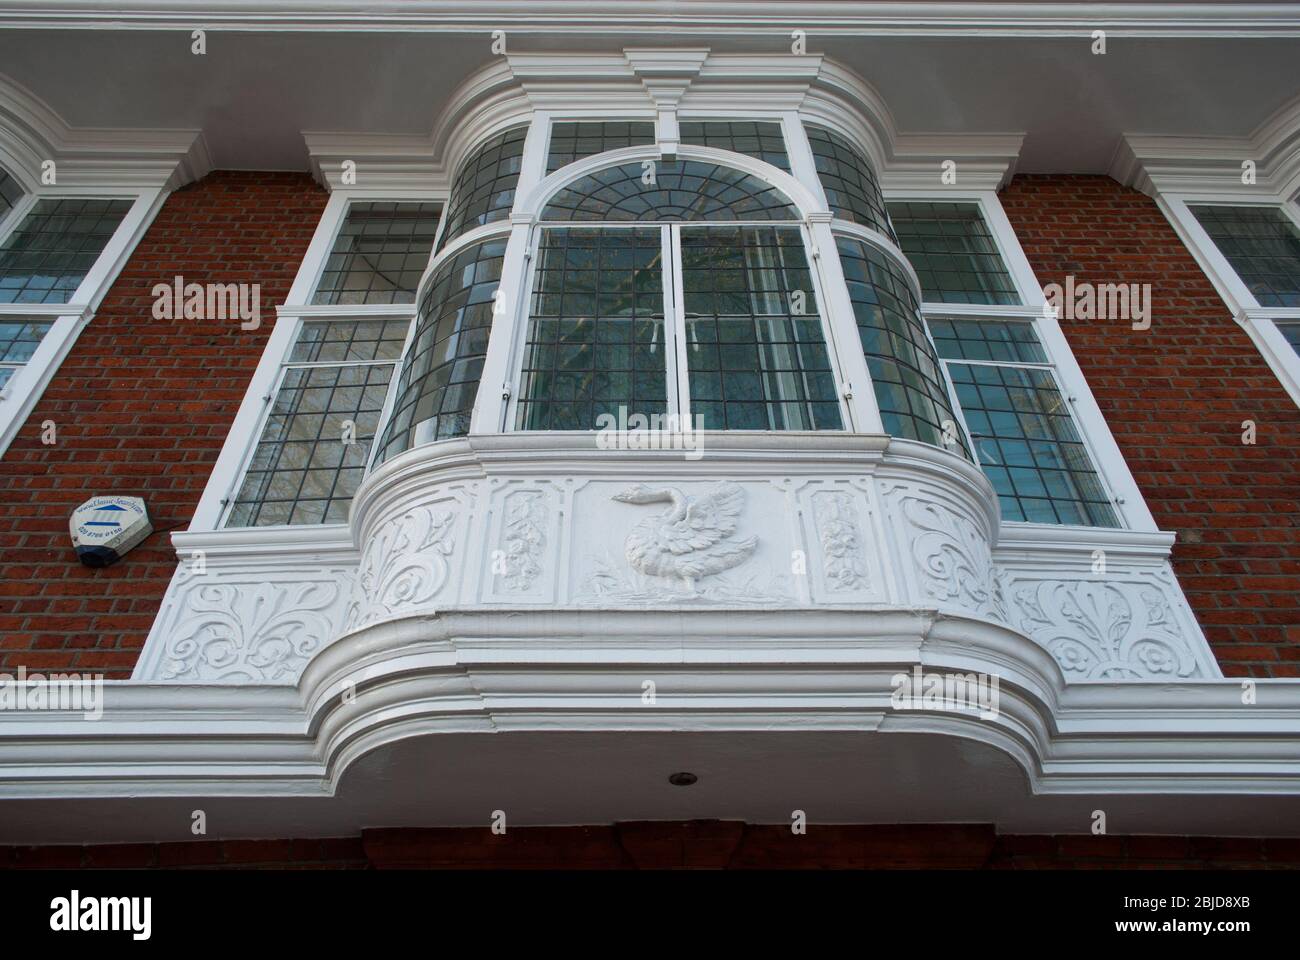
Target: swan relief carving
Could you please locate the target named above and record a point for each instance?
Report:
(693, 538)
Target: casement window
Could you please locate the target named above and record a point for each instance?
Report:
(323, 410)
(1022, 423)
(1251, 250)
(58, 252)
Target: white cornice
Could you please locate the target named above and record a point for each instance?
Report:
(1158, 164)
(657, 17)
(31, 133)
(643, 81)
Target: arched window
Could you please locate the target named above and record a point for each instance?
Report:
(677, 288)
(658, 192)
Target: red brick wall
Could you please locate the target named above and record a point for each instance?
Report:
(708, 844)
(1175, 397)
(142, 407)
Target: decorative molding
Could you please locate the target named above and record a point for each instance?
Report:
(522, 540)
(839, 532)
(404, 565)
(952, 556)
(1107, 628)
(31, 132)
(1159, 164)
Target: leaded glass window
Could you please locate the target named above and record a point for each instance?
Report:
(1024, 434)
(10, 193)
(440, 376)
(379, 254)
(596, 329)
(484, 187)
(905, 372)
(658, 191)
(760, 139)
(572, 141)
(314, 446)
(953, 252)
(50, 252)
(851, 188)
(1291, 331)
(755, 348)
(19, 338)
(1262, 244)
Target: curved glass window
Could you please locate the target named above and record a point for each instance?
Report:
(658, 191)
(440, 376)
(10, 193)
(484, 188)
(905, 371)
(852, 191)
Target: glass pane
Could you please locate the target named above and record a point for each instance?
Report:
(308, 462)
(1029, 447)
(439, 381)
(47, 256)
(754, 342)
(329, 341)
(760, 139)
(905, 374)
(484, 188)
(595, 331)
(574, 141)
(660, 191)
(1292, 333)
(1011, 340)
(952, 252)
(380, 254)
(1263, 246)
(850, 184)
(19, 338)
(10, 193)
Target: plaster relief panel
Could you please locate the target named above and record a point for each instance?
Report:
(1127, 625)
(247, 626)
(522, 554)
(723, 543)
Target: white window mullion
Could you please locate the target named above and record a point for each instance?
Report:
(676, 336)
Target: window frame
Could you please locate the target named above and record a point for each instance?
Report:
(19, 396)
(217, 501)
(1259, 322)
(1112, 470)
(677, 368)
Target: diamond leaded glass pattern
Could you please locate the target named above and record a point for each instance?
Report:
(660, 191)
(850, 185)
(440, 376)
(596, 329)
(905, 373)
(760, 139)
(308, 463)
(572, 141)
(50, 252)
(953, 252)
(755, 347)
(1021, 425)
(484, 189)
(1262, 244)
(380, 253)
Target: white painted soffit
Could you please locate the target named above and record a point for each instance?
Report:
(641, 80)
(700, 18)
(1172, 164)
(31, 133)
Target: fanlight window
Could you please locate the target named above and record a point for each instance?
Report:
(655, 192)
